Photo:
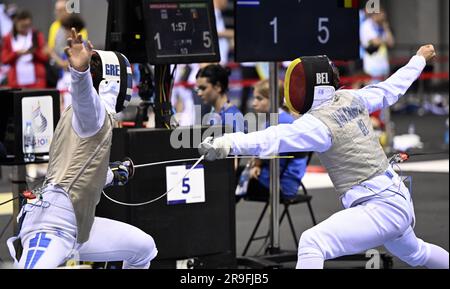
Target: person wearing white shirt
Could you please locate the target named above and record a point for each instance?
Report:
(225, 35)
(376, 38)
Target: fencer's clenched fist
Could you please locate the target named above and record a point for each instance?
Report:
(214, 149)
(122, 172)
(427, 51)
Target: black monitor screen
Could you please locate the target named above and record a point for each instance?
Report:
(181, 31)
(285, 30)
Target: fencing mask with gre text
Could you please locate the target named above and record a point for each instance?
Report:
(113, 79)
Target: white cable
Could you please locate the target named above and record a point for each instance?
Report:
(163, 195)
(181, 180)
(190, 160)
(164, 162)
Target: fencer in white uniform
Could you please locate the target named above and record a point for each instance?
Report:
(61, 223)
(336, 124)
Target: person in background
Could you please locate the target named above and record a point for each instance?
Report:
(291, 170)
(61, 61)
(6, 14)
(249, 71)
(212, 88)
(182, 96)
(225, 35)
(23, 50)
(57, 33)
(376, 38)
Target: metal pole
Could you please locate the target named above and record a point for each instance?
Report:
(274, 165)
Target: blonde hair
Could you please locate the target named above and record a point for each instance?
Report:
(263, 87)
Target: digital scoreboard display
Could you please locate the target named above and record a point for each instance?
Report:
(282, 30)
(181, 32)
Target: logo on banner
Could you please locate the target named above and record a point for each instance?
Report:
(39, 120)
(39, 111)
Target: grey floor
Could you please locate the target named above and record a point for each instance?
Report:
(431, 198)
(430, 193)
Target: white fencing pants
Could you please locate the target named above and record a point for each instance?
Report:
(386, 219)
(48, 237)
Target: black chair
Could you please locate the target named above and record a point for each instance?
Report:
(301, 197)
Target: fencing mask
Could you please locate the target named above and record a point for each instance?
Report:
(112, 77)
(307, 79)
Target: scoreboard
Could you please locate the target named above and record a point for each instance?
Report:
(180, 31)
(269, 30)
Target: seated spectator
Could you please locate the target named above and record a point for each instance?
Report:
(291, 170)
(212, 88)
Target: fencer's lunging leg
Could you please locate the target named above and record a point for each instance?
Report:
(116, 241)
(351, 231)
(416, 252)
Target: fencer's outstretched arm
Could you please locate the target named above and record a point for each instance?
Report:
(386, 93)
(88, 110)
(305, 134)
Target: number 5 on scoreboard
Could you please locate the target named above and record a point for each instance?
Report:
(207, 41)
(186, 187)
(322, 28)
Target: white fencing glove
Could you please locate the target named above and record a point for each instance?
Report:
(214, 149)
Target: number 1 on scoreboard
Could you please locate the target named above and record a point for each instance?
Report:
(274, 23)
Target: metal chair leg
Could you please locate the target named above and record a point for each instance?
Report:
(250, 240)
(283, 214)
(291, 224)
(313, 218)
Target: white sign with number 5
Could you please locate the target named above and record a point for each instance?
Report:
(190, 190)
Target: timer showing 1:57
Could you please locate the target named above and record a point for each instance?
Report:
(178, 26)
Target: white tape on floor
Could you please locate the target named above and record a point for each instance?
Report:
(439, 166)
(317, 181)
